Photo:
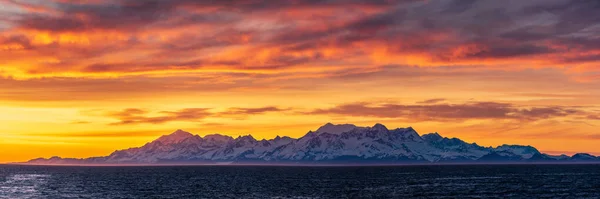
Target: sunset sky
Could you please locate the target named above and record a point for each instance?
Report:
(82, 78)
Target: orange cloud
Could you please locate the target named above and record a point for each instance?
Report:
(139, 37)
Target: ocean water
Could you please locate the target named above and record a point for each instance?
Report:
(443, 181)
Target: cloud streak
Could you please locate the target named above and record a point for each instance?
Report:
(450, 112)
(138, 116)
(133, 116)
(236, 111)
(432, 101)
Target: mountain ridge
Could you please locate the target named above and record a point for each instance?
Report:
(335, 144)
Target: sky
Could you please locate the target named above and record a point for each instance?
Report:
(84, 78)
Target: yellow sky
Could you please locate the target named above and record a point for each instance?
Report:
(80, 80)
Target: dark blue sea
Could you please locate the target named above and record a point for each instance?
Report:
(443, 181)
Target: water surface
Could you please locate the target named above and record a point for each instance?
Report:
(443, 181)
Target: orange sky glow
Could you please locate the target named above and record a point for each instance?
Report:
(84, 78)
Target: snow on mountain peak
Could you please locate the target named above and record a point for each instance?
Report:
(180, 132)
(329, 143)
(584, 156)
(175, 137)
(432, 136)
(284, 139)
(523, 151)
(218, 138)
(336, 129)
(407, 133)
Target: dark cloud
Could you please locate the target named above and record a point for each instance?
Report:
(495, 51)
(136, 14)
(493, 29)
(449, 112)
(117, 15)
(582, 59)
(290, 34)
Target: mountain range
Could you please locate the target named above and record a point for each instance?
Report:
(330, 144)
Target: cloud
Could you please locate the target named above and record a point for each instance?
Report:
(67, 16)
(103, 134)
(449, 112)
(251, 111)
(432, 101)
(128, 15)
(108, 88)
(138, 116)
(80, 122)
(135, 36)
(141, 116)
(593, 117)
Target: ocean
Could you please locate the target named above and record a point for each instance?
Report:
(432, 181)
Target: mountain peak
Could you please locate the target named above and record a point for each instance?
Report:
(175, 137)
(380, 127)
(218, 138)
(432, 136)
(180, 132)
(583, 156)
(336, 128)
(330, 143)
(246, 137)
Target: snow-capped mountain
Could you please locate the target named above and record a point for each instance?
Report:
(345, 143)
